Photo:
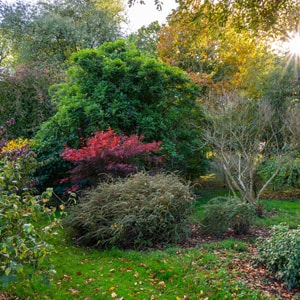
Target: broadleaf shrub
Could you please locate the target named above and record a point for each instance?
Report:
(281, 254)
(288, 176)
(22, 243)
(137, 212)
(223, 213)
(19, 162)
(107, 153)
(24, 95)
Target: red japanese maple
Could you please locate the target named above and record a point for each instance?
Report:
(108, 153)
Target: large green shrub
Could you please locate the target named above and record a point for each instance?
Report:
(136, 212)
(281, 253)
(117, 86)
(223, 213)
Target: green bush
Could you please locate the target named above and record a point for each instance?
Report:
(281, 254)
(119, 87)
(222, 213)
(288, 176)
(22, 242)
(137, 212)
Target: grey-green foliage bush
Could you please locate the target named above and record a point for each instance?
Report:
(222, 213)
(281, 253)
(136, 212)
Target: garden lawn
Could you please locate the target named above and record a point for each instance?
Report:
(199, 273)
(216, 270)
(281, 211)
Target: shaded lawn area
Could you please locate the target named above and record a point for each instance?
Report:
(218, 269)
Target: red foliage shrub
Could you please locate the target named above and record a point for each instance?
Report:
(108, 153)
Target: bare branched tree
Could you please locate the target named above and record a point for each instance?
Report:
(243, 135)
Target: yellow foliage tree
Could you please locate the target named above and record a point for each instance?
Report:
(224, 45)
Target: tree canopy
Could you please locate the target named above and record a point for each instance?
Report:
(52, 30)
(253, 14)
(36, 40)
(157, 3)
(146, 38)
(225, 43)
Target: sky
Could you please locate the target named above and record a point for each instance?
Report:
(142, 15)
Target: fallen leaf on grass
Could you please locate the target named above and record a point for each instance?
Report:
(89, 281)
(74, 291)
(66, 277)
(161, 284)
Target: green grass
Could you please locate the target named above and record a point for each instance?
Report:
(281, 211)
(204, 272)
(91, 274)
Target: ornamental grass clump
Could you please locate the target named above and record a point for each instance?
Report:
(137, 212)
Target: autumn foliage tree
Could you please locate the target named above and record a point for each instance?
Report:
(225, 45)
(108, 153)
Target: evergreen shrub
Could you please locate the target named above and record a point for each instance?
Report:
(137, 212)
(281, 254)
(223, 213)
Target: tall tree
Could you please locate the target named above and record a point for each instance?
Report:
(38, 38)
(5, 46)
(52, 30)
(146, 38)
(224, 43)
(257, 14)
